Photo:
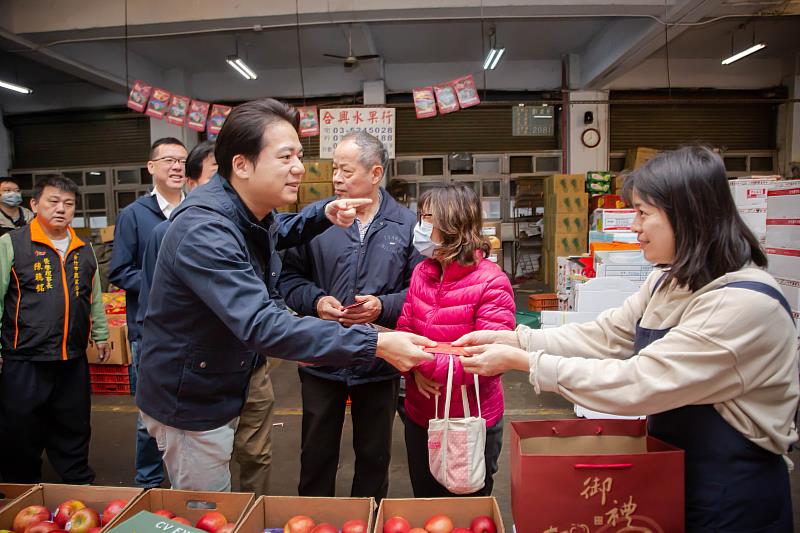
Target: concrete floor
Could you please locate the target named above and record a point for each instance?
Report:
(114, 422)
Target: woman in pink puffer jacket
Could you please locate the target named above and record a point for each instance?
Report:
(453, 292)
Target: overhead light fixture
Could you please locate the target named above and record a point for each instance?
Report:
(241, 67)
(14, 87)
(495, 52)
(744, 53)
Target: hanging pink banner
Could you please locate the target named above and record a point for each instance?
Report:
(424, 102)
(140, 93)
(178, 107)
(157, 106)
(198, 111)
(466, 91)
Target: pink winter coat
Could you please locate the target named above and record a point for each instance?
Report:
(443, 308)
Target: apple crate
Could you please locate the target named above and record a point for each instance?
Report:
(11, 491)
(272, 512)
(460, 510)
(52, 495)
(543, 302)
(108, 370)
(188, 504)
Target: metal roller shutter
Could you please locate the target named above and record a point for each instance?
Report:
(746, 125)
(79, 139)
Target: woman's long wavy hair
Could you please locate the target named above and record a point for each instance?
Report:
(711, 239)
(456, 211)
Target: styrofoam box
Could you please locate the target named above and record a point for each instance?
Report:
(791, 291)
(559, 318)
(599, 294)
(783, 262)
(614, 236)
(628, 264)
(783, 200)
(749, 192)
(756, 219)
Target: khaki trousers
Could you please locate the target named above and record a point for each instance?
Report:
(252, 445)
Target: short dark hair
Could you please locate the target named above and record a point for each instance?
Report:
(8, 179)
(58, 181)
(163, 141)
(456, 211)
(194, 161)
(243, 131)
(711, 239)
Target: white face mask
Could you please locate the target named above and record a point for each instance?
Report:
(422, 239)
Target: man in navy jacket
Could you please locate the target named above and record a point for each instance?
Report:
(212, 307)
(368, 264)
(132, 230)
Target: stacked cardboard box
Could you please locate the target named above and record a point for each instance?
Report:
(783, 241)
(566, 220)
(636, 157)
(750, 197)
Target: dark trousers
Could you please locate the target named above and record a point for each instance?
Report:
(148, 462)
(372, 410)
(423, 482)
(45, 406)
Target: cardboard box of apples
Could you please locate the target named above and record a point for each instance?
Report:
(214, 512)
(295, 514)
(59, 508)
(439, 515)
(11, 491)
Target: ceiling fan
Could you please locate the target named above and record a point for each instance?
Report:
(350, 60)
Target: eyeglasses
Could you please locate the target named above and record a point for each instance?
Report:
(170, 161)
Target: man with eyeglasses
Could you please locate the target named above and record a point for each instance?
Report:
(133, 228)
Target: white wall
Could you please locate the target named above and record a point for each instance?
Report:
(581, 158)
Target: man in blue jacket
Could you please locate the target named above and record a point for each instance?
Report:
(212, 307)
(132, 230)
(354, 275)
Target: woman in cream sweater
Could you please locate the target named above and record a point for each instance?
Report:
(707, 348)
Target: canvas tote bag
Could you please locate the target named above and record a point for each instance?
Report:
(456, 446)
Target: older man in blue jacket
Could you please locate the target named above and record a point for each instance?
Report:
(354, 275)
(212, 307)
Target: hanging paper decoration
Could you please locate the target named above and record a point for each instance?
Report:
(309, 121)
(178, 106)
(198, 111)
(424, 102)
(466, 91)
(446, 98)
(140, 92)
(157, 106)
(217, 117)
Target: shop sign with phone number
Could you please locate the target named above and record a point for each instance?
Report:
(336, 123)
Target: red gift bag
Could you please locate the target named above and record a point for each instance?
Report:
(593, 476)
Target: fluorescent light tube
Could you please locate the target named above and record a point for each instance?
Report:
(15, 88)
(744, 53)
(500, 52)
(489, 58)
(242, 68)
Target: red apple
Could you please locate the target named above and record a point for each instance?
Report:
(212, 521)
(113, 508)
(396, 524)
(65, 511)
(417, 530)
(324, 528)
(83, 520)
(483, 524)
(227, 528)
(93, 530)
(462, 530)
(354, 526)
(33, 514)
(181, 520)
(42, 527)
(299, 524)
(165, 513)
(439, 524)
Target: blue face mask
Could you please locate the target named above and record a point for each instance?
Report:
(11, 199)
(422, 239)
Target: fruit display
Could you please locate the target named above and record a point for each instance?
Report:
(70, 515)
(212, 521)
(306, 524)
(439, 523)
